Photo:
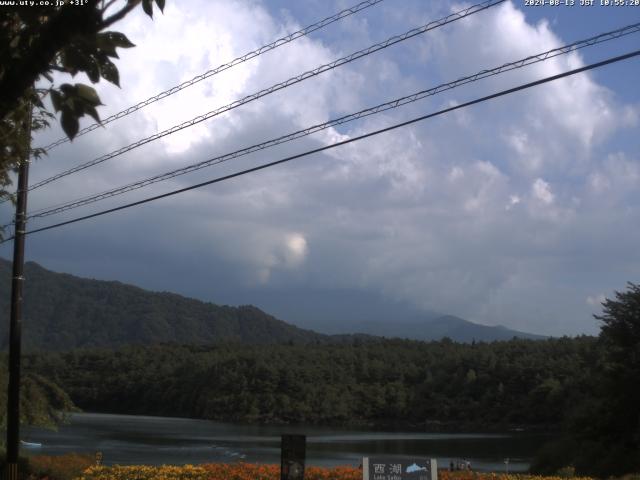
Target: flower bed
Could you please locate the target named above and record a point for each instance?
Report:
(250, 471)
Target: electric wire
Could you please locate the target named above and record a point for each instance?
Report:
(221, 68)
(287, 83)
(343, 142)
(392, 104)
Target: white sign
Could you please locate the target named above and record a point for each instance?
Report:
(385, 468)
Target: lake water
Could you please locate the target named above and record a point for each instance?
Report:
(132, 439)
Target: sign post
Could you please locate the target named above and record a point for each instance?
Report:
(292, 456)
(384, 468)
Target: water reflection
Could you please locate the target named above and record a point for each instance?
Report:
(128, 439)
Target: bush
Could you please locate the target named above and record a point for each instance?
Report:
(566, 472)
(23, 465)
(60, 467)
(553, 457)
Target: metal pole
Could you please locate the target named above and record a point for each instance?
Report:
(17, 282)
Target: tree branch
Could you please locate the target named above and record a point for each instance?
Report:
(118, 15)
(56, 33)
(57, 68)
(106, 6)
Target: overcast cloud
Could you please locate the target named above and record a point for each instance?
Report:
(522, 211)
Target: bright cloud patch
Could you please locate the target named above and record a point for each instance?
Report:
(296, 249)
(542, 191)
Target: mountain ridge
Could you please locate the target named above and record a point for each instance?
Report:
(442, 326)
(63, 311)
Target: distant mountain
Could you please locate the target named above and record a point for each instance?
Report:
(332, 311)
(449, 326)
(62, 311)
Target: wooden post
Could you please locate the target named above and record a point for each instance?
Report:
(292, 457)
(15, 327)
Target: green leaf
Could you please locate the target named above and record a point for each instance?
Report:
(36, 101)
(69, 123)
(88, 94)
(74, 59)
(76, 104)
(68, 61)
(93, 70)
(105, 45)
(94, 113)
(160, 4)
(38, 153)
(56, 100)
(147, 6)
(119, 40)
(67, 89)
(109, 71)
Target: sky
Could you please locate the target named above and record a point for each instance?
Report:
(522, 211)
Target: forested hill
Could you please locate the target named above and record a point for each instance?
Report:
(382, 382)
(62, 312)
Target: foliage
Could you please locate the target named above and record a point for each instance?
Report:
(215, 471)
(23, 463)
(467, 475)
(15, 135)
(248, 471)
(44, 40)
(64, 312)
(165, 472)
(602, 429)
(60, 467)
(520, 382)
(42, 402)
(620, 334)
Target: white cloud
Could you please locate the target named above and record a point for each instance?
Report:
(513, 201)
(574, 112)
(596, 300)
(541, 191)
(296, 249)
(456, 173)
(599, 183)
(617, 176)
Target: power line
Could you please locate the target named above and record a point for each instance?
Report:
(221, 68)
(540, 57)
(279, 86)
(344, 142)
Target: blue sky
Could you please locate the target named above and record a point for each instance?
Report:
(522, 211)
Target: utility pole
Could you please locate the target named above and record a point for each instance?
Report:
(15, 330)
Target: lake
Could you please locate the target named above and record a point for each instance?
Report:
(134, 439)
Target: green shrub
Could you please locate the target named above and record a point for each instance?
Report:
(60, 467)
(567, 472)
(23, 466)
